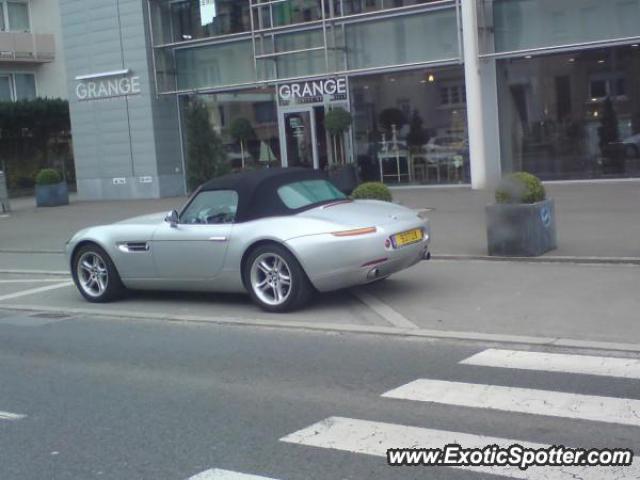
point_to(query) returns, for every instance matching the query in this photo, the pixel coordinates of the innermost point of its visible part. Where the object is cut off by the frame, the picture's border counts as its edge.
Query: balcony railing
(27, 47)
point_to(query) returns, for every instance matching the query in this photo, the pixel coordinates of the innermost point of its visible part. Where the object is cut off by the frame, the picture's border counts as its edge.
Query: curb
(338, 328)
(559, 259)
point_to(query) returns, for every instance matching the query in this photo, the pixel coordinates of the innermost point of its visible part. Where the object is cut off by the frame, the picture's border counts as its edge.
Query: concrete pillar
(482, 105)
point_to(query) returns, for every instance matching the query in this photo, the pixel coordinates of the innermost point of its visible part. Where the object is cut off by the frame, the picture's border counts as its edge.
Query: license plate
(407, 238)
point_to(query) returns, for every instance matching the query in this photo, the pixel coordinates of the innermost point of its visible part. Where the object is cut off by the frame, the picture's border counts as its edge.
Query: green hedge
(48, 176)
(520, 187)
(372, 191)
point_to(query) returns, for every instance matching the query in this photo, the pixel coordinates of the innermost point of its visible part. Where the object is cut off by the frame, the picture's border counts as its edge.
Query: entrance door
(304, 141)
(298, 138)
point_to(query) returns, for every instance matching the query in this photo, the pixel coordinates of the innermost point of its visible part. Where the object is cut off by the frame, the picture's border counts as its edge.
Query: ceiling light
(431, 78)
(635, 45)
(602, 60)
(571, 60)
(528, 57)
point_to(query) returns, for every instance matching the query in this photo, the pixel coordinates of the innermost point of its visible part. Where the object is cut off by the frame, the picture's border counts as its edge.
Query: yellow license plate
(407, 238)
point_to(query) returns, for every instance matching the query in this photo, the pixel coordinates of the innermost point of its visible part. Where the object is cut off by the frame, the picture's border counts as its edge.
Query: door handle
(218, 239)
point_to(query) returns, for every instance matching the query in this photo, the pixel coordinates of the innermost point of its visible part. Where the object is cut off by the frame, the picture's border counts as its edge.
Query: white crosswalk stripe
(217, 474)
(557, 362)
(522, 400)
(374, 438)
(11, 416)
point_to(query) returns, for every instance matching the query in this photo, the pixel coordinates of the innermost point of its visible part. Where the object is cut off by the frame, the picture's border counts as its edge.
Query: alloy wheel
(93, 275)
(271, 279)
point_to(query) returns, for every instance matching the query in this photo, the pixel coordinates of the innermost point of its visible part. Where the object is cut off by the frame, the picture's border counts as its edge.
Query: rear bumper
(334, 264)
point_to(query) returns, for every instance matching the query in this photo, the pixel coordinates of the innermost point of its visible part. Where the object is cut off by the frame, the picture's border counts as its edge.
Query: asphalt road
(133, 399)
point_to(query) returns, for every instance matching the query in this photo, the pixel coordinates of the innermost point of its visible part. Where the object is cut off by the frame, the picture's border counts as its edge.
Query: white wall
(50, 77)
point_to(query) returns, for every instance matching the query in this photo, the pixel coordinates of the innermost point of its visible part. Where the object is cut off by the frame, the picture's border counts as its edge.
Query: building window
(453, 95)
(14, 16)
(571, 115)
(17, 86)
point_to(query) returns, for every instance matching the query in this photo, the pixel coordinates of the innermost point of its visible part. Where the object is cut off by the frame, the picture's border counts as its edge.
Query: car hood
(150, 219)
(360, 213)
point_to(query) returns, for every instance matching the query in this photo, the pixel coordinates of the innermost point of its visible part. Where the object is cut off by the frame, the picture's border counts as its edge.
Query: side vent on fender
(133, 247)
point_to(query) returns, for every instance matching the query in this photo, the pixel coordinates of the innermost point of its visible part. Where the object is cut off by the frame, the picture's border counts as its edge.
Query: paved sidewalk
(594, 219)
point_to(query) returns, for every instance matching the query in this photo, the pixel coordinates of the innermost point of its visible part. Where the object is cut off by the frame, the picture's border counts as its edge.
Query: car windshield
(310, 192)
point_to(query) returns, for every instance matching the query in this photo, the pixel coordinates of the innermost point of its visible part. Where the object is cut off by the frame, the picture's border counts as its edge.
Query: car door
(194, 248)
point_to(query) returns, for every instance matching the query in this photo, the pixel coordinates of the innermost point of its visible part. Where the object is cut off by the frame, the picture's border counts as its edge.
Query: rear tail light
(355, 232)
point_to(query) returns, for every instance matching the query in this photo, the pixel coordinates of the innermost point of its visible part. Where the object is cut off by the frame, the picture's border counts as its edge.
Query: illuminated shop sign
(313, 91)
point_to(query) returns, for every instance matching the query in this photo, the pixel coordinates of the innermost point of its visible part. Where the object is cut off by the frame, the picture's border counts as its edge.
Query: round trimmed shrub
(48, 176)
(372, 191)
(520, 187)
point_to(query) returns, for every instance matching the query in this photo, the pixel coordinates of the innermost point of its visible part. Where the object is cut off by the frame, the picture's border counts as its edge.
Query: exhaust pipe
(373, 274)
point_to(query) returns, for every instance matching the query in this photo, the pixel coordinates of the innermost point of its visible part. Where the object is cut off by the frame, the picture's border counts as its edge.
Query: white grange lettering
(119, 87)
(312, 89)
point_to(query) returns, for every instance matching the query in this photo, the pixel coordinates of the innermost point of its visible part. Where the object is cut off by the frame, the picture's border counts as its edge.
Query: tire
(275, 279)
(95, 275)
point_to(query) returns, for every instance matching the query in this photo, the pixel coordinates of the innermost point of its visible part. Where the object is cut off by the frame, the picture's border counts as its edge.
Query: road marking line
(33, 291)
(374, 438)
(385, 311)
(217, 474)
(557, 362)
(522, 400)
(11, 416)
(35, 272)
(31, 280)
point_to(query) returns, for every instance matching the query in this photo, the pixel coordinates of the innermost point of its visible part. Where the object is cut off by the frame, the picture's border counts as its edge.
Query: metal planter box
(52, 195)
(521, 230)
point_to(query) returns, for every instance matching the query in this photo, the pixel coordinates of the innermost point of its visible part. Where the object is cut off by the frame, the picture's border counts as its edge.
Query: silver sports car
(279, 234)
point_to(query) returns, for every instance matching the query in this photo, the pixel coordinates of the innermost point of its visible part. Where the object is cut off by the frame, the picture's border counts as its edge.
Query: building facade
(439, 92)
(31, 54)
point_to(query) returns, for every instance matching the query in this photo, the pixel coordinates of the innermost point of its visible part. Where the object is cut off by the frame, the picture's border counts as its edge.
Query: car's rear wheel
(275, 279)
(95, 275)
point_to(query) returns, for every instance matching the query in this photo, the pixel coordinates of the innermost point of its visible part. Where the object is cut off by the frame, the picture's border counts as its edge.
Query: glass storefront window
(402, 40)
(573, 115)
(527, 24)
(212, 120)
(408, 129)
(183, 20)
(215, 65)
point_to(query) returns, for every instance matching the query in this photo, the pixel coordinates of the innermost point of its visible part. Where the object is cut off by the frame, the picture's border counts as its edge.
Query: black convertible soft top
(258, 190)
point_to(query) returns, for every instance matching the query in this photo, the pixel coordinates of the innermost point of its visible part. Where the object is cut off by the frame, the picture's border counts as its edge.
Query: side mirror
(172, 218)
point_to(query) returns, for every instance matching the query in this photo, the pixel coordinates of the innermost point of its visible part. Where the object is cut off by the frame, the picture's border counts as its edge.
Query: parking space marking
(217, 474)
(31, 280)
(11, 416)
(557, 363)
(385, 311)
(34, 272)
(33, 291)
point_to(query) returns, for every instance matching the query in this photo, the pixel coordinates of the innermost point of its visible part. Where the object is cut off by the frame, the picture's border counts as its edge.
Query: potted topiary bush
(372, 191)
(337, 122)
(522, 222)
(51, 189)
(242, 131)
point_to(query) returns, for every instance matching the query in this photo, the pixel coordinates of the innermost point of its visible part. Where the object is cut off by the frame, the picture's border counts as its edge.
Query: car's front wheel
(95, 275)
(275, 279)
